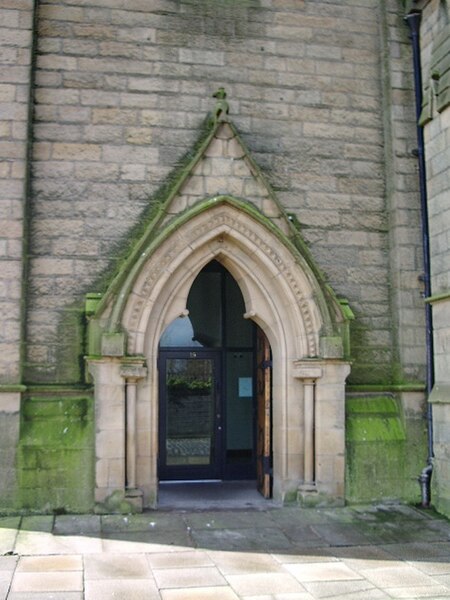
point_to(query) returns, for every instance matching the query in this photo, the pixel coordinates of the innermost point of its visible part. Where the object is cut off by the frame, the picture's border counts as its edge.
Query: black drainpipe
(413, 19)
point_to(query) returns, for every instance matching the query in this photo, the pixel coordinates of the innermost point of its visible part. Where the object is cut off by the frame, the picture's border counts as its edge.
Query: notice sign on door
(245, 387)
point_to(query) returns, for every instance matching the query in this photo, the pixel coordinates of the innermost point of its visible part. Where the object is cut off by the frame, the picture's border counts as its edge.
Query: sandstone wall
(121, 94)
(435, 38)
(16, 21)
(321, 92)
(16, 41)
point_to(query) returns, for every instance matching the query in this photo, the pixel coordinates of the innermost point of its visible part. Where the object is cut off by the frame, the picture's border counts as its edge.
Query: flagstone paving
(372, 553)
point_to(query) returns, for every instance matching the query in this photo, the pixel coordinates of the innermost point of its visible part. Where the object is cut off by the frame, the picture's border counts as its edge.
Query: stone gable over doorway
(220, 207)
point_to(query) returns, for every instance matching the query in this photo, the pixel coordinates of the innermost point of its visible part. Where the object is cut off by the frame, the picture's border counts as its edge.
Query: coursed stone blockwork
(320, 91)
(120, 97)
(402, 197)
(435, 24)
(16, 40)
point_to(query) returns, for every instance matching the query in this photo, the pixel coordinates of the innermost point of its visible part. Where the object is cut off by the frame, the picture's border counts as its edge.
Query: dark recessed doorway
(214, 382)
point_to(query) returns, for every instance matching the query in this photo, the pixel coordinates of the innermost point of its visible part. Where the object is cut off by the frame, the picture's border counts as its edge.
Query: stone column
(308, 374)
(132, 373)
(131, 433)
(309, 420)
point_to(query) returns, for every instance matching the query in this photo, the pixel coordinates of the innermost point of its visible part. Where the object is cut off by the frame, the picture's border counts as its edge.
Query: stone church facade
(271, 144)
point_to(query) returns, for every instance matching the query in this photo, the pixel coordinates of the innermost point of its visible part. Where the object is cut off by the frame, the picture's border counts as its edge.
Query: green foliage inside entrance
(56, 454)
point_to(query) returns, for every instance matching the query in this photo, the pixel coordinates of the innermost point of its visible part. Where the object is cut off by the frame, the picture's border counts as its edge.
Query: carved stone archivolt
(235, 230)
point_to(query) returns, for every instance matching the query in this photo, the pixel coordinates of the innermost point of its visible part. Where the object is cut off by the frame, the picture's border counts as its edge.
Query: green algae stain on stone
(374, 420)
(384, 451)
(56, 454)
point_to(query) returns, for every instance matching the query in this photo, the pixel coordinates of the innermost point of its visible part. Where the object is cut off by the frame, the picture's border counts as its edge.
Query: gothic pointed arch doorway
(215, 388)
(281, 294)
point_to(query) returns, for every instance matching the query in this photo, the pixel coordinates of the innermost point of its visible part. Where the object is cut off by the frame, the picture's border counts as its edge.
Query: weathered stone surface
(321, 99)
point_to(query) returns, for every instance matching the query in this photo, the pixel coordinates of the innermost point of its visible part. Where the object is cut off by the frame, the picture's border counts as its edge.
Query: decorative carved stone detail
(223, 222)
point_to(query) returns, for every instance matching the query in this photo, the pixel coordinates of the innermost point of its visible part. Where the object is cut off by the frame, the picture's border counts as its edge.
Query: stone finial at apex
(222, 108)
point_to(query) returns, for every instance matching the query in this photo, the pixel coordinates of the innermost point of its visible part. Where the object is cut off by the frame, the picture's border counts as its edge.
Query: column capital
(133, 368)
(306, 370)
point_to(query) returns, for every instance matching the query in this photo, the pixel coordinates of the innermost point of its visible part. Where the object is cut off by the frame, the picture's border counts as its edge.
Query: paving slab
(46, 596)
(202, 593)
(37, 564)
(264, 583)
(288, 596)
(130, 589)
(167, 560)
(245, 563)
(4, 589)
(436, 567)
(231, 519)
(263, 539)
(372, 594)
(418, 550)
(188, 577)
(351, 553)
(37, 542)
(48, 581)
(152, 521)
(7, 566)
(77, 525)
(396, 576)
(8, 534)
(143, 542)
(418, 591)
(340, 534)
(324, 571)
(306, 555)
(117, 566)
(303, 536)
(331, 589)
(37, 523)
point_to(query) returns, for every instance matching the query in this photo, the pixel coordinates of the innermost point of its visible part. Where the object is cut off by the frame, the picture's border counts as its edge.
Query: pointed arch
(250, 246)
(276, 291)
(282, 295)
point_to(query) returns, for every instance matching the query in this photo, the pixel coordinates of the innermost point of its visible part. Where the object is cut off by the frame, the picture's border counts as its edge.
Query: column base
(307, 495)
(135, 497)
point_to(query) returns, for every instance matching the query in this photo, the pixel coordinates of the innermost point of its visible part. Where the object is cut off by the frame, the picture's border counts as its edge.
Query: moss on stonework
(65, 363)
(384, 451)
(366, 373)
(116, 503)
(154, 213)
(72, 334)
(154, 228)
(56, 454)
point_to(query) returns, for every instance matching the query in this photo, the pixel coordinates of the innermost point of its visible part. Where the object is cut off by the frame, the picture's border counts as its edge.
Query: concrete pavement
(368, 553)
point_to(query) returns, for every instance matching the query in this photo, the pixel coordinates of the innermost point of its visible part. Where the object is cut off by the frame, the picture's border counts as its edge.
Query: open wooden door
(264, 414)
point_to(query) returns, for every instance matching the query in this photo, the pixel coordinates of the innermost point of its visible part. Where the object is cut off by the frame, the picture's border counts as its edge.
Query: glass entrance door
(208, 386)
(190, 415)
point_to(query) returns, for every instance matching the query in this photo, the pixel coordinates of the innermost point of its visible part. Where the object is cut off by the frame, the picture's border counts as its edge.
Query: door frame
(264, 469)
